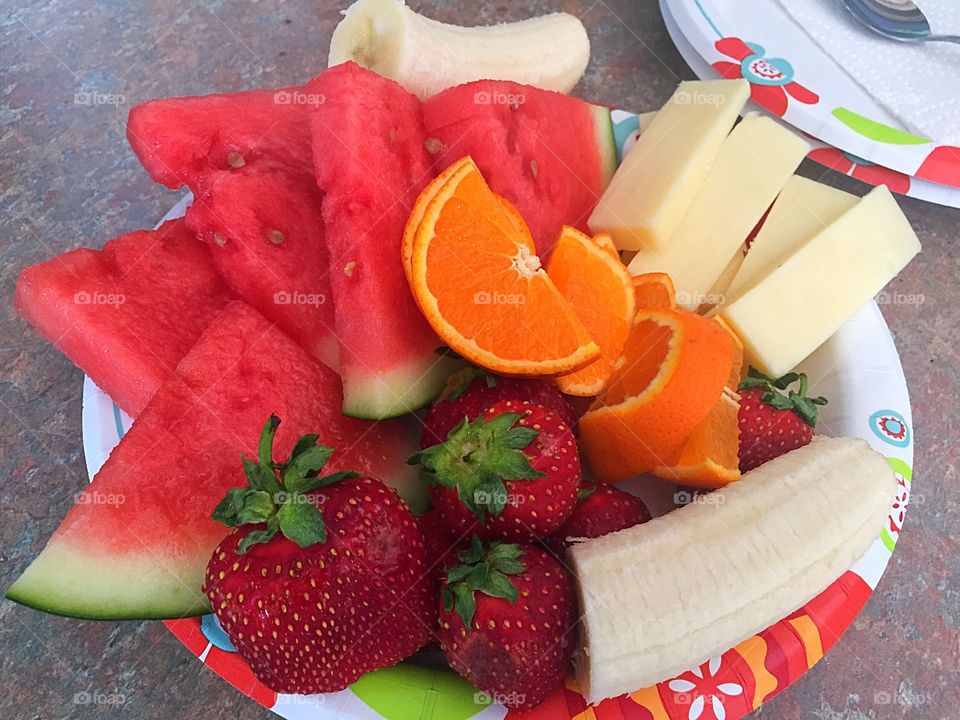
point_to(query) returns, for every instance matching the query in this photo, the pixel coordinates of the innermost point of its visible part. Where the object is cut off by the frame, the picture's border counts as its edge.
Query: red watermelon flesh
(265, 232)
(551, 155)
(128, 313)
(371, 163)
(179, 140)
(248, 160)
(137, 542)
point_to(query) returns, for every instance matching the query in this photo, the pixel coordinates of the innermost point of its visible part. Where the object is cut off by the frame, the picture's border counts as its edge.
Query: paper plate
(794, 79)
(822, 153)
(858, 369)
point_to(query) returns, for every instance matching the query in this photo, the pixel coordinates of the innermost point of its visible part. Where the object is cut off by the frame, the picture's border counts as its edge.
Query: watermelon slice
(137, 542)
(247, 158)
(551, 155)
(179, 140)
(128, 313)
(265, 232)
(371, 163)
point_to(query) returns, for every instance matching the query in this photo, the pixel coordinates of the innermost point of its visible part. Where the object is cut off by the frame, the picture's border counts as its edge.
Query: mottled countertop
(67, 178)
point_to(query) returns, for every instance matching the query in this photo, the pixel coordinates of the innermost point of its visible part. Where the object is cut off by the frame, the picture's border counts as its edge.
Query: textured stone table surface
(67, 178)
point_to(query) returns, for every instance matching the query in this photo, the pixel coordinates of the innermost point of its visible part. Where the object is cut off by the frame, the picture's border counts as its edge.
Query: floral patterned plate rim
(822, 153)
(858, 368)
(792, 78)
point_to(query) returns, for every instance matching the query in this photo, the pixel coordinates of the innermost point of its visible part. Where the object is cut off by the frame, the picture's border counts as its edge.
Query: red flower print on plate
(942, 166)
(899, 509)
(861, 169)
(771, 79)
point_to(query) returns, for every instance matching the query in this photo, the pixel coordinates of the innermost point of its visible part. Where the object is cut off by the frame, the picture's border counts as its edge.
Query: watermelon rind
(606, 141)
(67, 581)
(399, 391)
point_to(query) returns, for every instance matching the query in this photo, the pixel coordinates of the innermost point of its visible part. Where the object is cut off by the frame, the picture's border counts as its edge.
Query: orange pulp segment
(479, 283)
(710, 458)
(419, 207)
(600, 289)
(654, 291)
(673, 369)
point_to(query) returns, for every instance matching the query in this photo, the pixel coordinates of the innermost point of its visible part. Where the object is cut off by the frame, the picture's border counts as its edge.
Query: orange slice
(654, 291)
(736, 372)
(710, 458)
(673, 369)
(479, 283)
(606, 242)
(516, 220)
(600, 289)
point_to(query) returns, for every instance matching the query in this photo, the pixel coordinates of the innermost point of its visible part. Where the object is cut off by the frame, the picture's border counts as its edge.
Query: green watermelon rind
(396, 392)
(606, 141)
(57, 564)
(174, 612)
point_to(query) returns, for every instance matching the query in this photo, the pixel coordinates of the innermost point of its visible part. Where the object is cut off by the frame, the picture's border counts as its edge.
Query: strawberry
(773, 419)
(600, 509)
(506, 621)
(323, 578)
(471, 390)
(510, 474)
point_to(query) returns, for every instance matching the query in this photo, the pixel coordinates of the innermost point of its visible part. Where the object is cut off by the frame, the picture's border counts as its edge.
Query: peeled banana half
(426, 56)
(663, 597)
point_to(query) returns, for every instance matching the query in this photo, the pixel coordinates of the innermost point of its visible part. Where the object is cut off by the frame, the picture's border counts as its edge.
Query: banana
(427, 56)
(663, 597)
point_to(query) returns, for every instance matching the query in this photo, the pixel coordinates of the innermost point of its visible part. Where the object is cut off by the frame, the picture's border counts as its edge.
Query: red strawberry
(601, 509)
(507, 622)
(774, 420)
(469, 391)
(324, 578)
(510, 474)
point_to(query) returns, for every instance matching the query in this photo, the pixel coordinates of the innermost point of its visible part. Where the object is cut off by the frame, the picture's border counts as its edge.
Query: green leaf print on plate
(412, 692)
(878, 132)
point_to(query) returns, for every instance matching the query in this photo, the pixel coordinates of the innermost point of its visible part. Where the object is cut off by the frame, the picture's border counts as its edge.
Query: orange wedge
(710, 458)
(736, 372)
(516, 220)
(673, 369)
(654, 291)
(600, 290)
(479, 283)
(606, 242)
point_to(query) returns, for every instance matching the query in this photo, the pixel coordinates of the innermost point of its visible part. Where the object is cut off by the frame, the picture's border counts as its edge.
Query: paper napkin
(917, 83)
